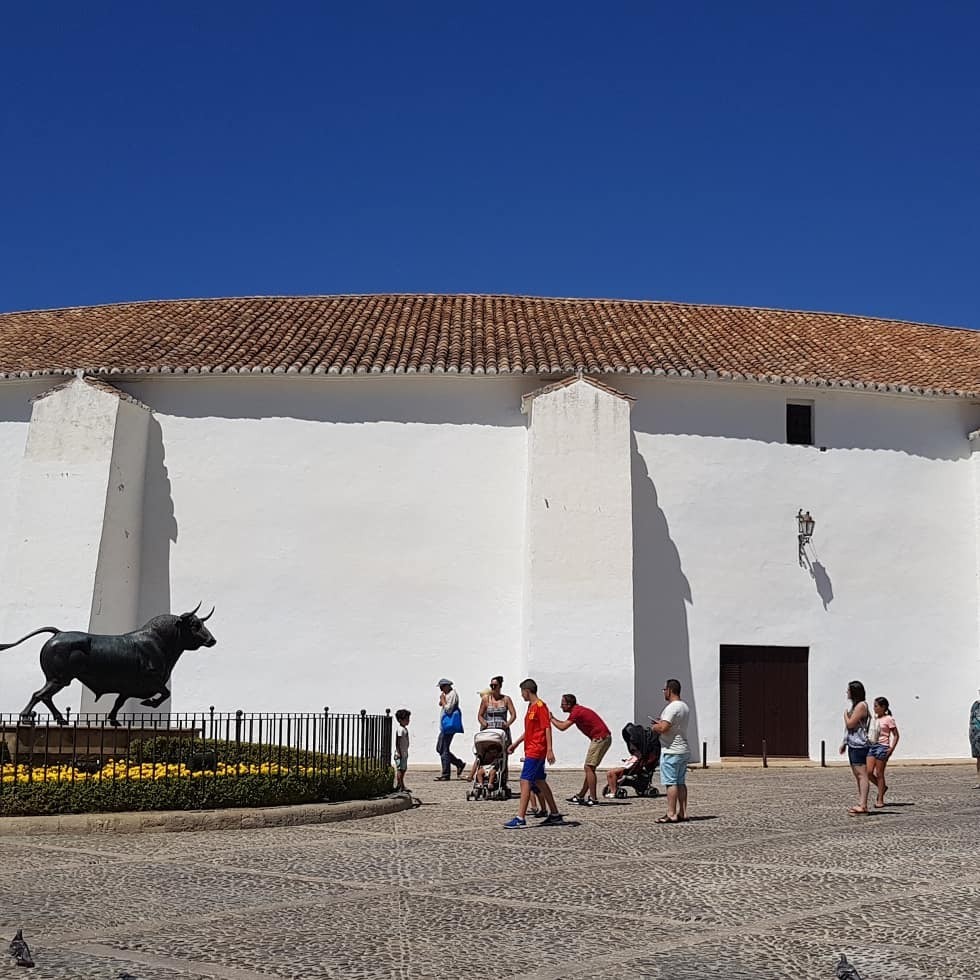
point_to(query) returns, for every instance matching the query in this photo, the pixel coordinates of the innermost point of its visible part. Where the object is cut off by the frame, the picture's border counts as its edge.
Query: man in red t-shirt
(537, 748)
(597, 732)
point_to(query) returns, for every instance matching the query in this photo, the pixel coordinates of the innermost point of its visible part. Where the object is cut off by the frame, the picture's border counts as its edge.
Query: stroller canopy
(641, 741)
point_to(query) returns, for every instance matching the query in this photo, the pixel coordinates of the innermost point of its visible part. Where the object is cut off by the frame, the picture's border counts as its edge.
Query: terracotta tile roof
(407, 334)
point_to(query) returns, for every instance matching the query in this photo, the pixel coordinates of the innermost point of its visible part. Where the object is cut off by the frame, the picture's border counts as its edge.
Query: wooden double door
(764, 698)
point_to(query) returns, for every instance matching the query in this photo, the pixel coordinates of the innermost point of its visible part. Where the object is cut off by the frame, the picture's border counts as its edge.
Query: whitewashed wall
(975, 459)
(362, 537)
(891, 600)
(578, 573)
(19, 675)
(53, 519)
(15, 417)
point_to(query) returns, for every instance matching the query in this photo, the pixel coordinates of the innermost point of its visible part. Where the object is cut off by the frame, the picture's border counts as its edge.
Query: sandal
(858, 812)
(666, 819)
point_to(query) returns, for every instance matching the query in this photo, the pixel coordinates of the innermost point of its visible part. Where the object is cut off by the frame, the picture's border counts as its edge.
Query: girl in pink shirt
(881, 750)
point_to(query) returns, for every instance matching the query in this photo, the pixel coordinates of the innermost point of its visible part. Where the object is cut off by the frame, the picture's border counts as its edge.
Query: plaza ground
(771, 879)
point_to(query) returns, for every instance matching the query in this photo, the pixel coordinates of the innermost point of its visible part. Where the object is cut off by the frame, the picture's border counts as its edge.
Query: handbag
(452, 724)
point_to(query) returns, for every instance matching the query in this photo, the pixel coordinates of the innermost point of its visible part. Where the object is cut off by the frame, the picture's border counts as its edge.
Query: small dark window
(799, 425)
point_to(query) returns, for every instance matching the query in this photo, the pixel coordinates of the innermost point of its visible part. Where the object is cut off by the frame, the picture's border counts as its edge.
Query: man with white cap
(450, 724)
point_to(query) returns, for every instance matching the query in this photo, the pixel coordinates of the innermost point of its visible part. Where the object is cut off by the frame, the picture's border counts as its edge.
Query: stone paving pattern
(771, 879)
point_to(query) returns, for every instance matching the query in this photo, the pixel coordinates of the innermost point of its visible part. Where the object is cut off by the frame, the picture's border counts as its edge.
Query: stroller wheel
(621, 794)
(653, 791)
(469, 796)
(605, 791)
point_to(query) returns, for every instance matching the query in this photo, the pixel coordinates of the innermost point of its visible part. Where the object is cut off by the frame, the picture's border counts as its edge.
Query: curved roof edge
(490, 335)
(843, 384)
(598, 300)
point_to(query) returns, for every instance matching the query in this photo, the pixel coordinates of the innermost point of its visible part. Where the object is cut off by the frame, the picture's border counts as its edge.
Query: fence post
(823, 754)
(765, 758)
(704, 755)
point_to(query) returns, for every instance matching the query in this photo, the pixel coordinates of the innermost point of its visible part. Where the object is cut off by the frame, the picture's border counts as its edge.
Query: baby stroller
(490, 779)
(643, 746)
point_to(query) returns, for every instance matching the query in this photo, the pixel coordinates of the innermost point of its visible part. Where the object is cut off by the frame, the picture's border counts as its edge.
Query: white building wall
(975, 460)
(15, 417)
(19, 672)
(360, 538)
(891, 598)
(55, 526)
(578, 586)
(116, 590)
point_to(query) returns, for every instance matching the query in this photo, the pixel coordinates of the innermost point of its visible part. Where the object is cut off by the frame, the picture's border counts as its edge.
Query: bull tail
(43, 629)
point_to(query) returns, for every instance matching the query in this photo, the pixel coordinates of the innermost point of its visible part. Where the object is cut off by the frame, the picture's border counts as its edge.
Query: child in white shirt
(402, 716)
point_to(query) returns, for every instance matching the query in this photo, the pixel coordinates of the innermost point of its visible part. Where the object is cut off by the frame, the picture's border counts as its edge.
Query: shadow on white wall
(661, 593)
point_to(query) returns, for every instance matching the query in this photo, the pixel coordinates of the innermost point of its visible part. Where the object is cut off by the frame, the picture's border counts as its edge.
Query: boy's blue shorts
(533, 770)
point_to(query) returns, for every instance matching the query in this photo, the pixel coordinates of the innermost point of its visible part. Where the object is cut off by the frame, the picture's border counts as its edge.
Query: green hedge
(357, 779)
(200, 793)
(196, 751)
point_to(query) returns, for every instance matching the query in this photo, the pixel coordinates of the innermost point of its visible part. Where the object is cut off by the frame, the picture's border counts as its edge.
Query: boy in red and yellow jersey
(537, 748)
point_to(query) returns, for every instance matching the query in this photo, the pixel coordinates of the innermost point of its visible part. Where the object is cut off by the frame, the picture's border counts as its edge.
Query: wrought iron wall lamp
(804, 532)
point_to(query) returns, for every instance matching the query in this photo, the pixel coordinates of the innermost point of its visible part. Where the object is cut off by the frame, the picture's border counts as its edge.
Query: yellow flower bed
(151, 770)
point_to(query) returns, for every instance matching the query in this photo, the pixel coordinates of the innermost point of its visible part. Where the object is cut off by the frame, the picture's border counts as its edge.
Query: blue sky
(809, 156)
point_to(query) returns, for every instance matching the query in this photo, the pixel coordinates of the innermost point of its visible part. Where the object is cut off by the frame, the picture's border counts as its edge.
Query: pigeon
(19, 951)
(845, 971)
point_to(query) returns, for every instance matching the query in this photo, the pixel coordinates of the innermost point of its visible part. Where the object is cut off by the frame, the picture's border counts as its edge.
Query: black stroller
(643, 746)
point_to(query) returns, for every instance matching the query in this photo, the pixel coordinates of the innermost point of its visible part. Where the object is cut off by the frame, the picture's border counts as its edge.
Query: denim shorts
(857, 757)
(878, 751)
(673, 769)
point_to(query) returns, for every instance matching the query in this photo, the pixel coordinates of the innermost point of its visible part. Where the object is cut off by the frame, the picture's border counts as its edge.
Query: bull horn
(209, 615)
(195, 609)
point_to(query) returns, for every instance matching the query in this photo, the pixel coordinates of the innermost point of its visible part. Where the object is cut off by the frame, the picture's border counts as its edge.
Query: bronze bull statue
(132, 665)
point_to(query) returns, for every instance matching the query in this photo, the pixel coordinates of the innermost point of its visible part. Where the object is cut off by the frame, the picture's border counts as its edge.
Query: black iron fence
(192, 746)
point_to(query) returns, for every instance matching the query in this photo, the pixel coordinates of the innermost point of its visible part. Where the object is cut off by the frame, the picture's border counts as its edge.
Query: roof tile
(476, 334)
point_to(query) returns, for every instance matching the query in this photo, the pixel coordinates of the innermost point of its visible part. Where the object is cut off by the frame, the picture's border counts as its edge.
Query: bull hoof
(114, 723)
(149, 703)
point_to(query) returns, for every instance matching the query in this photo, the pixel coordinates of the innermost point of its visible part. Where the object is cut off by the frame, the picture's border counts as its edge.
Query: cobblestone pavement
(770, 879)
